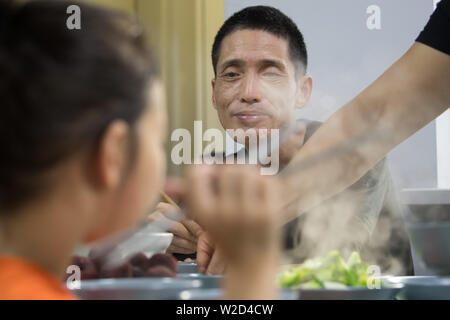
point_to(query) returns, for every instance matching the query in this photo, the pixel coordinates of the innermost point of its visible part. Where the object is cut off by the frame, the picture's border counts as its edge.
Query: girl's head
(80, 110)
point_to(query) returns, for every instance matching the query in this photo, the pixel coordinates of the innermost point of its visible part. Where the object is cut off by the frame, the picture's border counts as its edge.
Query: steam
(345, 223)
(367, 217)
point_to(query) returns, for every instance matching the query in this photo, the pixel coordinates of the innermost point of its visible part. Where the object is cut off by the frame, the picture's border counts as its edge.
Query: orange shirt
(24, 280)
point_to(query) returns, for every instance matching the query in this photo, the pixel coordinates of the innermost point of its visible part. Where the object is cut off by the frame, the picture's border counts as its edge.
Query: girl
(81, 132)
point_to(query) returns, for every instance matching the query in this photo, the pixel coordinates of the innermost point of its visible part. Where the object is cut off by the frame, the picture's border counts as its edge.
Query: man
(260, 60)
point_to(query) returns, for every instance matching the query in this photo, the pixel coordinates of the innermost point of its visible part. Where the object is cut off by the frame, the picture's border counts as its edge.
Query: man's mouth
(250, 117)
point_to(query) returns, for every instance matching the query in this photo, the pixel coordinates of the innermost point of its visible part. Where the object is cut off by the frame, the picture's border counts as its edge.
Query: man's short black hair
(267, 19)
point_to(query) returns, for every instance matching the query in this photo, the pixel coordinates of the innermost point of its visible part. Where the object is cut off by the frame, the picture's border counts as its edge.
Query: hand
(209, 260)
(239, 213)
(238, 207)
(185, 232)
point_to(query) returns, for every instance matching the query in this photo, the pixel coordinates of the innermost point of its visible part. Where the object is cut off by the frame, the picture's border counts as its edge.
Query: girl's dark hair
(61, 88)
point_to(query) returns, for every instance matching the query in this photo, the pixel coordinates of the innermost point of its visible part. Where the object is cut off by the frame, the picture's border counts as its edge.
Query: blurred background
(345, 56)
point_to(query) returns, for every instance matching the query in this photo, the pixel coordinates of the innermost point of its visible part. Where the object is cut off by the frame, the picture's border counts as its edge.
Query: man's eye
(231, 75)
(271, 74)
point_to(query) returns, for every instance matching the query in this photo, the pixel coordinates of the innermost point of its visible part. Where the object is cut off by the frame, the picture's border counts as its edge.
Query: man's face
(256, 84)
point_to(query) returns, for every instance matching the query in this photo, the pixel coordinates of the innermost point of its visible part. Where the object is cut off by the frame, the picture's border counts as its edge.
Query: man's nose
(250, 90)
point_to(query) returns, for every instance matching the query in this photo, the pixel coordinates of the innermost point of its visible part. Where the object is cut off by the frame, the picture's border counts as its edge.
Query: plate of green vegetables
(334, 278)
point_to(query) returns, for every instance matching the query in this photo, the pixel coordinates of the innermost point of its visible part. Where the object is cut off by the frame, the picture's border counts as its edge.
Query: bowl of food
(134, 288)
(385, 292)
(333, 278)
(137, 277)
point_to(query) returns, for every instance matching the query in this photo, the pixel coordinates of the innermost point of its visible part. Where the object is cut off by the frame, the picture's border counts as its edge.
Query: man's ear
(304, 91)
(112, 154)
(213, 84)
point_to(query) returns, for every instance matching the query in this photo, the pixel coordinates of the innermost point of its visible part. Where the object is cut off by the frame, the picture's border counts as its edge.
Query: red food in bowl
(139, 260)
(123, 271)
(87, 267)
(163, 259)
(137, 266)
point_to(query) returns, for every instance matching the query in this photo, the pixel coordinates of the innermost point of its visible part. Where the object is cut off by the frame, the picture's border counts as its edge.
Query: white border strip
(443, 150)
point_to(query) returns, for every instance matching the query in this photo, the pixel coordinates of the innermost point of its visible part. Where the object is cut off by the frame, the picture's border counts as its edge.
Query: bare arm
(409, 95)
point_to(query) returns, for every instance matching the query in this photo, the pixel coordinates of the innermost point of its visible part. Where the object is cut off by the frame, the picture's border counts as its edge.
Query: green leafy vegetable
(330, 272)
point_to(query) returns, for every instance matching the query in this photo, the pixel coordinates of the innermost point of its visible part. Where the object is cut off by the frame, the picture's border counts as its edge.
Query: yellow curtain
(129, 6)
(182, 33)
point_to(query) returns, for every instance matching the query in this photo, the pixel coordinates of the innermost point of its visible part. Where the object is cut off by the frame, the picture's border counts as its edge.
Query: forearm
(410, 94)
(254, 279)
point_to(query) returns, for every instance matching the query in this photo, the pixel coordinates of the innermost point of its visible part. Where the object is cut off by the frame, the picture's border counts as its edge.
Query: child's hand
(238, 207)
